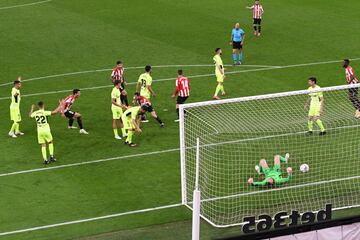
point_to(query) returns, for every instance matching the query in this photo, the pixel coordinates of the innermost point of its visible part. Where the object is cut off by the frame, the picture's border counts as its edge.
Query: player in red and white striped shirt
(118, 74)
(258, 11)
(146, 104)
(352, 92)
(182, 90)
(66, 111)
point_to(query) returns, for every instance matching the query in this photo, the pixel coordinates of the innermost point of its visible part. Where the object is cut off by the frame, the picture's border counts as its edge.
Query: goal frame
(182, 109)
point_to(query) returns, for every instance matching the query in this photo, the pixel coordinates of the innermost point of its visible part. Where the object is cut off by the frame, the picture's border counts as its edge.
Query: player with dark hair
(144, 87)
(352, 92)
(258, 11)
(43, 129)
(131, 119)
(182, 90)
(316, 103)
(118, 74)
(66, 111)
(15, 115)
(146, 104)
(273, 176)
(219, 72)
(117, 109)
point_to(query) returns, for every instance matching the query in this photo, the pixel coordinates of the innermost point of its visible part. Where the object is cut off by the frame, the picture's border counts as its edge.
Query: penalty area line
(25, 5)
(90, 219)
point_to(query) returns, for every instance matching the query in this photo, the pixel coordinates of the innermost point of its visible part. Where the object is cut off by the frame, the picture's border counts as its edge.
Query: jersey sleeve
(262, 183)
(47, 113)
(149, 81)
(33, 115)
(113, 95)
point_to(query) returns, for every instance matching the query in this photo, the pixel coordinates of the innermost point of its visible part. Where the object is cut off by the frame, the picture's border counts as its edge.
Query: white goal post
(234, 134)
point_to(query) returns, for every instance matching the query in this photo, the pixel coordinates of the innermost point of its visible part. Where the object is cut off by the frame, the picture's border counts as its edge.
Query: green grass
(65, 36)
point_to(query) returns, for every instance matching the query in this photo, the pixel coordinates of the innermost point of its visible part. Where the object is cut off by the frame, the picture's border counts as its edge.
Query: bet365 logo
(265, 222)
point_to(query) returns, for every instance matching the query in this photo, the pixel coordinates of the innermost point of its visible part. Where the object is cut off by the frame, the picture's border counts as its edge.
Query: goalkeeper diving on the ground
(273, 176)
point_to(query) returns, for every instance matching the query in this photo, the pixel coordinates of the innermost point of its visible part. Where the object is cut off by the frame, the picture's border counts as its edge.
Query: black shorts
(181, 100)
(69, 114)
(237, 45)
(257, 21)
(147, 107)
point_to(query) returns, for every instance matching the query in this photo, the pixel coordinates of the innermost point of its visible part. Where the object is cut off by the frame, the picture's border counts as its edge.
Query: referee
(237, 41)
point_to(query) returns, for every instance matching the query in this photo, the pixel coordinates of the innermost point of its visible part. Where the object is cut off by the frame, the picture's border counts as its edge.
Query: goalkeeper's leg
(261, 167)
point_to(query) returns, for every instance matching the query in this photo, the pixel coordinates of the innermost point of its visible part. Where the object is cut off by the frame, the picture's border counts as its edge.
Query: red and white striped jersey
(257, 11)
(118, 74)
(69, 101)
(143, 100)
(350, 76)
(183, 86)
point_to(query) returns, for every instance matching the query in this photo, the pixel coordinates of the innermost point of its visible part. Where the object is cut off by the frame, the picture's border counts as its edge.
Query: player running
(43, 129)
(146, 104)
(118, 74)
(316, 102)
(182, 90)
(117, 109)
(273, 176)
(66, 111)
(352, 92)
(220, 73)
(237, 42)
(15, 115)
(258, 11)
(131, 120)
(144, 87)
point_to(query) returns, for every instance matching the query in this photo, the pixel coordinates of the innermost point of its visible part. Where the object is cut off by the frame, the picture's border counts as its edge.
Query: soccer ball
(304, 168)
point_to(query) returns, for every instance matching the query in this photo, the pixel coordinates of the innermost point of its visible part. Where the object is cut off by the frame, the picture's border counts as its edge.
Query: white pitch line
(25, 5)
(130, 83)
(127, 68)
(91, 219)
(88, 162)
(195, 76)
(161, 152)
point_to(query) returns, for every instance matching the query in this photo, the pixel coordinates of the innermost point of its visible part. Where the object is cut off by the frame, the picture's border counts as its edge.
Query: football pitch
(100, 188)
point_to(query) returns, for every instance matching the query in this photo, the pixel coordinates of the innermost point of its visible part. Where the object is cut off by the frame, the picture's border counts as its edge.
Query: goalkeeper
(272, 175)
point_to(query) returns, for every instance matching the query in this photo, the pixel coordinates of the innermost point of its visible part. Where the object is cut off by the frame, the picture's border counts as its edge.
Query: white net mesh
(235, 134)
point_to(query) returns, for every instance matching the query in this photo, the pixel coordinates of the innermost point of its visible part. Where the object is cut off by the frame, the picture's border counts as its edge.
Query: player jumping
(258, 11)
(66, 111)
(220, 73)
(43, 129)
(273, 176)
(15, 115)
(352, 92)
(146, 104)
(118, 74)
(316, 102)
(182, 90)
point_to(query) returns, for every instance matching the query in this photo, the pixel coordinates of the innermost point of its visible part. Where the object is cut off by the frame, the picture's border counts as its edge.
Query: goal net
(236, 133)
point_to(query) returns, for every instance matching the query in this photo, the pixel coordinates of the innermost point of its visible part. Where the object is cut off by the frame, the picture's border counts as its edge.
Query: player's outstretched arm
(31, 110)
(262, 183)
(58, 109)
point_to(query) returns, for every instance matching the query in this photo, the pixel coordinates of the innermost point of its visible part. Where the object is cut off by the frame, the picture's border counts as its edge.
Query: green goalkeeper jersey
(275, 174)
